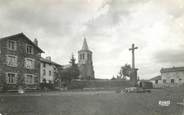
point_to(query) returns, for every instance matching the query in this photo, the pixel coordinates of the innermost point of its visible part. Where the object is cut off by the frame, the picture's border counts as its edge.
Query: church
(85, 62)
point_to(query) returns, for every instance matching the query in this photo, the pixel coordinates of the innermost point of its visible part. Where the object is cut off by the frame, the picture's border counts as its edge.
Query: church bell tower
(85, 62)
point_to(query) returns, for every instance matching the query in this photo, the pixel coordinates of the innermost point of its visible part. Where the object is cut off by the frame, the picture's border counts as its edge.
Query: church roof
(85, 45)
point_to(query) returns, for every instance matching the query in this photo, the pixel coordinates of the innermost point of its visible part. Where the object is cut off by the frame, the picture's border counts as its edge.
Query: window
(11, 60)
(44, 72)
(50, 73)
(12, 45)
(36, 80)
(88, 56)
(172, 80)
(82, 56)
(44, 65)
(29, 49)
(164, 80)
(29, 63)
(29, 79)
(11, 78)
(156, 81)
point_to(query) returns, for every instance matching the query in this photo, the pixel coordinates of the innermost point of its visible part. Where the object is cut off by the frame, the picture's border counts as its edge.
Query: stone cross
(133, 56)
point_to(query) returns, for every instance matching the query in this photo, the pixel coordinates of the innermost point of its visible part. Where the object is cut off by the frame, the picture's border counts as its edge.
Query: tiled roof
(66, 66)
(173, 69)
(24, 36)
(48, 61)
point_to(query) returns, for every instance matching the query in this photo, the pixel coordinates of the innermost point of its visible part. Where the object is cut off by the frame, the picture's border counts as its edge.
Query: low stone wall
(99, 84)
(167, 85)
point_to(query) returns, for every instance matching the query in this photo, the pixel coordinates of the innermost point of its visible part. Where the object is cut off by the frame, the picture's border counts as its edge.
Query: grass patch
(95, 103)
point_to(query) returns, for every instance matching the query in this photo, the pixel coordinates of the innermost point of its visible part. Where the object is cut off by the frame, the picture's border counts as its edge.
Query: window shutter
(16, 61)
(7, 80)
(7, 44)
(25, 78)
(26, 48)
(7, 59)
(25, 63)
(36, 79)
(32, 50)
(33, 66)
(15, 45)
(33, 79)
(15, 78)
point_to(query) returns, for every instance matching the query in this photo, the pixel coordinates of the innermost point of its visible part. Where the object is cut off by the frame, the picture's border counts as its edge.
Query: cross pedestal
(133, 76)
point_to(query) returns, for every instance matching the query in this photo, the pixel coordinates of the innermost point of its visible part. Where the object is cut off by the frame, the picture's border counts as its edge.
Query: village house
(19, 62)
(49, 70)
(156, 81)
(174, 75)
(170, 77)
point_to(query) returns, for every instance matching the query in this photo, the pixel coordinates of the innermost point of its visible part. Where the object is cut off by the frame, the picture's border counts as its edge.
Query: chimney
(36, 42)
(48, 58)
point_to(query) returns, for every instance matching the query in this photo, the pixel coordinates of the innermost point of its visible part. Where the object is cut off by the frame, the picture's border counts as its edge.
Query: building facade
(170, 77)
(19, 60)
(48, 70)
(85, 62)
(174, 75)
(156, 81)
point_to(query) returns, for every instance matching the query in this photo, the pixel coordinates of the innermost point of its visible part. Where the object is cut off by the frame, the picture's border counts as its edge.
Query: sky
(110, 27)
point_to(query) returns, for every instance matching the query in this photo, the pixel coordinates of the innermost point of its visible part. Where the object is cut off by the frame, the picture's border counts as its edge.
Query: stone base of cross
(133, 76)
(181, 103)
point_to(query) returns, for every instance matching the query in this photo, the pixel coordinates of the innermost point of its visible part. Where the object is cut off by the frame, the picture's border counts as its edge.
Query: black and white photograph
(91, 57)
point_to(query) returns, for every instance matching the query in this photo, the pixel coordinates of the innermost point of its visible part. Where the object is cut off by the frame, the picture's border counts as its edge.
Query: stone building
(174, 75)
(156, 81)
(170, 77)
(19, 62)
(85, 62)
(48, 70)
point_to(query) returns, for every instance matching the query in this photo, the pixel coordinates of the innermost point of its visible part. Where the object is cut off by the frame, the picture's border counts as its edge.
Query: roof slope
(85, 45)
(48, 61)
(156, 78)
(24, 36)
(173, 69)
